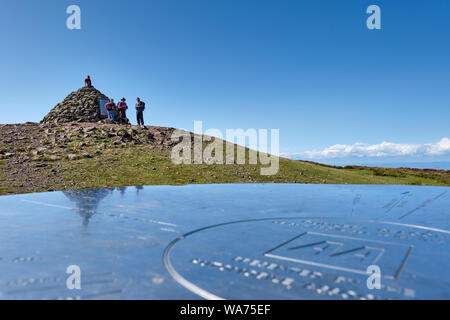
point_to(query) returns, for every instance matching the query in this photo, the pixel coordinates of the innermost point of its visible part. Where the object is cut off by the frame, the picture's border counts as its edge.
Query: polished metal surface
(227, 242)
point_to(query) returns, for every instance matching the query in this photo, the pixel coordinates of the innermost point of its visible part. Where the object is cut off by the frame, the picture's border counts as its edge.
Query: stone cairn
(82, 105)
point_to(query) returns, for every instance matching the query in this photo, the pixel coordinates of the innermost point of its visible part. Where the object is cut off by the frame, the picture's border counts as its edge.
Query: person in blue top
(140, 107)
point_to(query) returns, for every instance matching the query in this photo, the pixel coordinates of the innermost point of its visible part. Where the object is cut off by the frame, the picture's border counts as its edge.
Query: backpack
(142, 105)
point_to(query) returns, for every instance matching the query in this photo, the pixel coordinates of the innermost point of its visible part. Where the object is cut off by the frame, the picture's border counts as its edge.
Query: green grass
(138, 166)
(3, 188)
(2, 179)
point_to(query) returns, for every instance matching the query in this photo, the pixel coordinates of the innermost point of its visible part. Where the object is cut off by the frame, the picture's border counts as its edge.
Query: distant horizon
(435, 165)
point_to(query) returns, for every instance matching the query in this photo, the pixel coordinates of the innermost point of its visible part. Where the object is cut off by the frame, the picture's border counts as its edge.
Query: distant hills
(386, 163)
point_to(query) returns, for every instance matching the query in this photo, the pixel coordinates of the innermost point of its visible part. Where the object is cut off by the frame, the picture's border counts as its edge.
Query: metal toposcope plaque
(227, 242)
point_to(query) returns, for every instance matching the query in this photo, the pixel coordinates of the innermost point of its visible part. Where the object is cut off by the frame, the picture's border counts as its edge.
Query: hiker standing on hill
(140, 107)
(111, 108)
(88, 82)
(122, 108)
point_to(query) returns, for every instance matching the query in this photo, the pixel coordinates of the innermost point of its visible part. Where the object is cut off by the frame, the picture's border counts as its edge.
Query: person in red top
(88, 82)
(111, 108)
(122, 108)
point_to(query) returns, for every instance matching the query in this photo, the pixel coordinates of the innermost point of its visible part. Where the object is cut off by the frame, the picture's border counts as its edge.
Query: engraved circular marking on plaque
(310, 258)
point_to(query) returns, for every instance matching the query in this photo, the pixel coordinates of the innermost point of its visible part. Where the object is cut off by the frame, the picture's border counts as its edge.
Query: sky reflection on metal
(227, 241)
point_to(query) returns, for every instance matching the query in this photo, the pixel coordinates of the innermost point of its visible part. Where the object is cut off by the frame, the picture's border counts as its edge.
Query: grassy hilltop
(46, 157)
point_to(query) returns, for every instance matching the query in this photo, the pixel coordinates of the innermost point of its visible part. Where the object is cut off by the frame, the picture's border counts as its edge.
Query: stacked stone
(79, 106)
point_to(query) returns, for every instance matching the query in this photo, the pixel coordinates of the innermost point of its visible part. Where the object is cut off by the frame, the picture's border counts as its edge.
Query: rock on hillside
(34, 157)
(79, 106)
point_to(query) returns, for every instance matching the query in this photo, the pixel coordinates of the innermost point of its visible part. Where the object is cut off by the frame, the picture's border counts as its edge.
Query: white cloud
(384, 149)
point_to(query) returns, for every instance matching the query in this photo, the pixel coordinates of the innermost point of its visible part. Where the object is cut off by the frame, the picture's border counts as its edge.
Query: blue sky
(310, 68)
